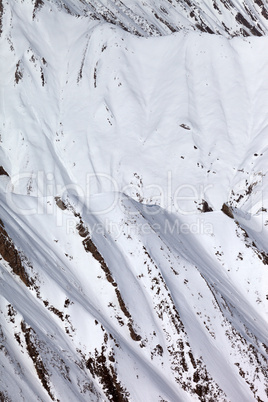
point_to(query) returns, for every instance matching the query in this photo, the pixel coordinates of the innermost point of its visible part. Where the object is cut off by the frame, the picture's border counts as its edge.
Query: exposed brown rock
(18, 72)
(35, 356)
(1, 30)
(12, 256)
(3, 172)
(227, 211)
(38, 4)
(60, 203)
(98, 367)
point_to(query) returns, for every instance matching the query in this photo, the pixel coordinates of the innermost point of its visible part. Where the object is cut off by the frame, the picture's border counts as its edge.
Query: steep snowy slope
(161, 17)
(133, 203)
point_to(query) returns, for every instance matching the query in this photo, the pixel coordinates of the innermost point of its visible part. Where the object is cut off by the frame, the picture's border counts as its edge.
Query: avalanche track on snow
(133, 203)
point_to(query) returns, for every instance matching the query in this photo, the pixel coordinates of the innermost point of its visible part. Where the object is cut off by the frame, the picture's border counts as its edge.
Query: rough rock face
(162, 17)
(11, 256)
(133, 200)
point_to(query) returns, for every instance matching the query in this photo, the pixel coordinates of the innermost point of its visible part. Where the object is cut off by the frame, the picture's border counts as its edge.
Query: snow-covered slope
(161, 17)
(133, 202)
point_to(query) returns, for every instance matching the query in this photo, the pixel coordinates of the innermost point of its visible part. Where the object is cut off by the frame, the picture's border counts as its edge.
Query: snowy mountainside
(161, 17)
(133, 213)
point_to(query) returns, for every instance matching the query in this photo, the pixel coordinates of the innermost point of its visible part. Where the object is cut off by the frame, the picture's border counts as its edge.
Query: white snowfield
(133, 202)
